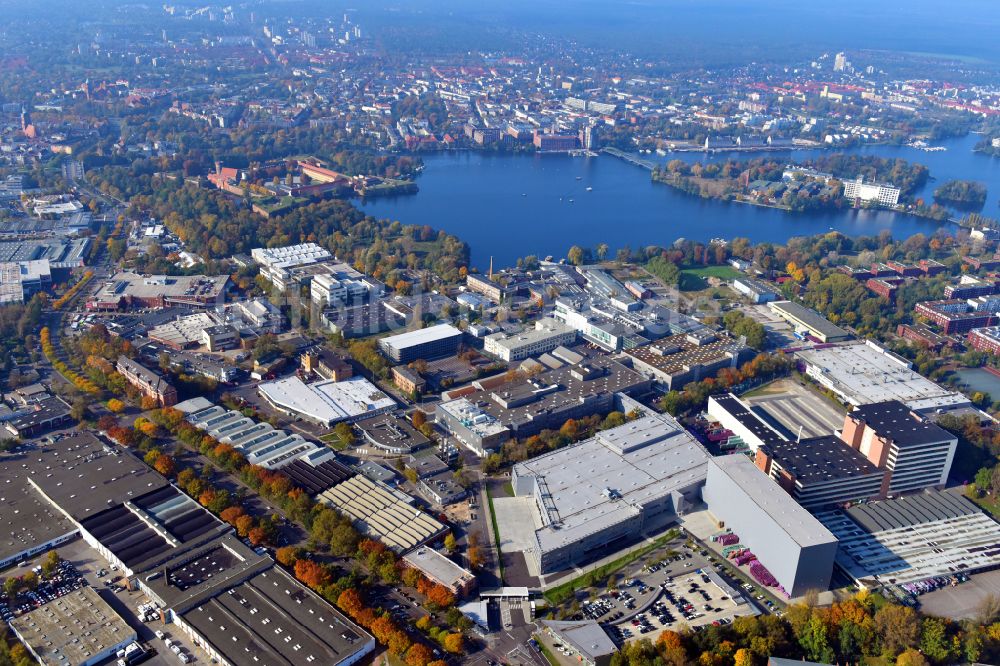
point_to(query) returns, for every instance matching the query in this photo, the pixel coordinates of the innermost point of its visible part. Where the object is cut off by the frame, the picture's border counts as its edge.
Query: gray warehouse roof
(422, 336)
(601, 481)
(798, 523)
(911, 510)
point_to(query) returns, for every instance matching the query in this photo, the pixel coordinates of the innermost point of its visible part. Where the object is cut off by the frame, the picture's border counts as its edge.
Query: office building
(913, 538)
(426, 343)
(276, 262)
(788, 542)
(486, 286)
(808, 322)
(327, 364)
(490, 411)
(917, 453)
(547, 334)
(816, 471)
(593, 497)
(151, 384)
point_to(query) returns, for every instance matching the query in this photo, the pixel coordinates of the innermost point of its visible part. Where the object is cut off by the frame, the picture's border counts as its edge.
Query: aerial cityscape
(432, 333)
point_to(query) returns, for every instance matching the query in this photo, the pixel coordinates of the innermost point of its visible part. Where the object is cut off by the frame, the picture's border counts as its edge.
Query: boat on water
(590, 189)
(579, 177)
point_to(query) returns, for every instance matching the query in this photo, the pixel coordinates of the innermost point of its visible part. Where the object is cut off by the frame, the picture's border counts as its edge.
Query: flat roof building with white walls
(864, 373)
(625, 481)
(882, 193)
(426, 343)
(786, 539)
(277, 262)
(547, 334)
(327, 402)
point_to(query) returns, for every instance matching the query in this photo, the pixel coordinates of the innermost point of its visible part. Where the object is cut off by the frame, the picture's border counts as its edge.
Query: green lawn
(988, 503)
(693, 278)
(496, 531)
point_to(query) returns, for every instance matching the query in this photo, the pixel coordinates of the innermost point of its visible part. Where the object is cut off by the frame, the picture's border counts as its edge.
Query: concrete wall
(797, 569)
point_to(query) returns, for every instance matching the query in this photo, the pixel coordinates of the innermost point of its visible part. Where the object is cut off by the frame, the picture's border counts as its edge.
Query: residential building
(954, 316)
(408, 381)
(985, 339)
(151, 384)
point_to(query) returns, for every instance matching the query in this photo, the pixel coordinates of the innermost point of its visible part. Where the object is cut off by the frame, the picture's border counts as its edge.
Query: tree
(165, 465)
(899, 627)
(51, 563)
(743, 657)
(911, 657)
(602, 251)
(418, 418)
(815, 642)
(345, 433)
(288, 555)
(79, 409)
(243, 525)
(984, 479)
(314, 575)
(450, 543)
(453, 643)
(934, 640)
(575, 255)
(116, 406)
(419, 655)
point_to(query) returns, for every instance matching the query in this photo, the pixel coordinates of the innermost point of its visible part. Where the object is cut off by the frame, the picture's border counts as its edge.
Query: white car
(159, 634)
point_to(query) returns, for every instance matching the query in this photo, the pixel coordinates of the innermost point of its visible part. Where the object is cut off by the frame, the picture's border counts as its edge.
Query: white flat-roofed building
(786, 539)
(327, 402)
(425, 343)
(476, 428)
(20, 280)
(441, 570)
(261, 443)
(882, 193)
(276, 263)
(547, 334)
(606, 490)
(77, 629)
(863, 373)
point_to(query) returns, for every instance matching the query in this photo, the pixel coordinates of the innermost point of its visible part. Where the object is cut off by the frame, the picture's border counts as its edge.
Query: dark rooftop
(314, 479)
(272, 619)
(894, 420)
(748, 418)
(821, 459)
(910, 511)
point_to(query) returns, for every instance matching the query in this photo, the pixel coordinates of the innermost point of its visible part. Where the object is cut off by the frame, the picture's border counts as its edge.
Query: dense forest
(962, 193)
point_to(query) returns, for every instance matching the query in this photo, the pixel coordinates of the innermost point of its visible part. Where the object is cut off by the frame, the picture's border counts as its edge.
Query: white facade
(882, 193)
(546, 336)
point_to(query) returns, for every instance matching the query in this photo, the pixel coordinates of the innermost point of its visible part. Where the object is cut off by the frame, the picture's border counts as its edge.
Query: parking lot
(85, 564)
(675, 586)
(796, 407)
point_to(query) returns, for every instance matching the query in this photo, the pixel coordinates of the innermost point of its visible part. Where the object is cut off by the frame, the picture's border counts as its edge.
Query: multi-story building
(555, 142)
(916, 453)
(678, 360)
(885, 287)
(488, 287)
(971, 287)
(546, 336)
(407, 380)
(151, 384)
(276, 263)
(426, 344)
(953, 315)
(883, 194)
(985, 339)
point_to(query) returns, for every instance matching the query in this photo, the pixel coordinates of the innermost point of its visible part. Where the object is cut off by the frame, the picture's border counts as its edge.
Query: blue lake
(509, 206)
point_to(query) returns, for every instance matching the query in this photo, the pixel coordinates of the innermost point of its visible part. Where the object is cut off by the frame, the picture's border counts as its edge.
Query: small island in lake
(966, 194)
